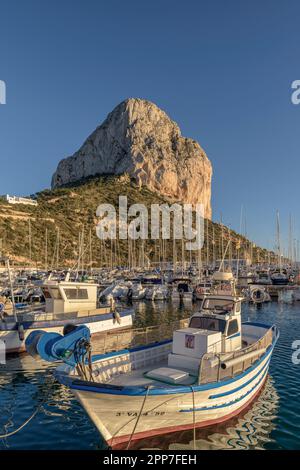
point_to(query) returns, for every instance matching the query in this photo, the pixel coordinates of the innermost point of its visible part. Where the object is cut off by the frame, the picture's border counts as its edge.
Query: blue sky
(221, 70)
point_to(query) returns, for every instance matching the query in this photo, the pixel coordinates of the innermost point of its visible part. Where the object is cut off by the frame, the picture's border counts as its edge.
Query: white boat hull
(115, 413)
(13, 344)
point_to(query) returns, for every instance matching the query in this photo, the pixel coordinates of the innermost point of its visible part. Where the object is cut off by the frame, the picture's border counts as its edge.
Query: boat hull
(98, 325)
(118, 442)
(115, 412)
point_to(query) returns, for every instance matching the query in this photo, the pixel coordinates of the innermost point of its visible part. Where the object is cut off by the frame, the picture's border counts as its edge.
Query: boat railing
(41, 315)
(134, 337)
(217, 366)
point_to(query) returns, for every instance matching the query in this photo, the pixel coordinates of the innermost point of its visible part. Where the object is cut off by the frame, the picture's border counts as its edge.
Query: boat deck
(138, 377)
(149, 365)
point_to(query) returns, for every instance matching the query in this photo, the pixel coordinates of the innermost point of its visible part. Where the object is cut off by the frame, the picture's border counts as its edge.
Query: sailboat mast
(29, 240)
(11, 290)
(278, 241)
(46, 249)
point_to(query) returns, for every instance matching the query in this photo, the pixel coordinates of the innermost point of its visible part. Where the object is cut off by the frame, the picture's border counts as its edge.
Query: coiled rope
(83, 358)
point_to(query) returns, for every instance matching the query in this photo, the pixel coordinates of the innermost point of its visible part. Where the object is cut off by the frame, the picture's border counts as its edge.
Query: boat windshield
(218, 305)
(208, 323)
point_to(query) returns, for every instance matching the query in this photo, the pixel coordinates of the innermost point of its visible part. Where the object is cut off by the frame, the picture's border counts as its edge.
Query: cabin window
(207, 323)
(233, 327)
(183, 287)
(76, 294)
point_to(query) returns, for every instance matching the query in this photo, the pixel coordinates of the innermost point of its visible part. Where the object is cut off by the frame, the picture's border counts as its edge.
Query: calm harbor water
(271, 422)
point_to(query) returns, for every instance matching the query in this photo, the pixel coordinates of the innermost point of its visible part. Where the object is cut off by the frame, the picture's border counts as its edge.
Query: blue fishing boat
(206, 374)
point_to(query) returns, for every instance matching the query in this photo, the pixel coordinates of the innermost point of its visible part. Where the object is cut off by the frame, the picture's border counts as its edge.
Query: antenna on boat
(222, 262)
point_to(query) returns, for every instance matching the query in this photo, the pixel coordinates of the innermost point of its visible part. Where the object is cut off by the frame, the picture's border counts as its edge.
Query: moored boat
(279, 279)
(257, 294)
(202, 289)
(67, 303)
(181, 289)
(206, 374)
(157, 292)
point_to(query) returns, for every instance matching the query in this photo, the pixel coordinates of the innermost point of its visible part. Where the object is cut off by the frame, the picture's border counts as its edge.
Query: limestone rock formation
(140, 139)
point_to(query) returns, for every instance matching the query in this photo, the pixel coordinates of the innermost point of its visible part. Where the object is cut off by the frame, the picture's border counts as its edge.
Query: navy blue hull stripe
(234, 390)
(232, 402)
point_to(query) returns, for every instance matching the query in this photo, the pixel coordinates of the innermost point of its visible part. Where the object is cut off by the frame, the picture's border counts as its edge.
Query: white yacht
(158, 292)
(181, 289)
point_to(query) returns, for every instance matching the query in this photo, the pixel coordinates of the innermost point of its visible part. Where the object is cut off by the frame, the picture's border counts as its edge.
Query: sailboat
(278, 278)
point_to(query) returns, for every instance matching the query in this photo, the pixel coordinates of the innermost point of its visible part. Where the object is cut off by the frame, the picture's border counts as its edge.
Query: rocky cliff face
(138, 138)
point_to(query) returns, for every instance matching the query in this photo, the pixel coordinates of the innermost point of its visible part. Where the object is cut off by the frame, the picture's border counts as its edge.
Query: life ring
(257, 295)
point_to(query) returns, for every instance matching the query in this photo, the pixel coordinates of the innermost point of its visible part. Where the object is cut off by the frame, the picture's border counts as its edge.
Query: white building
(21, 200)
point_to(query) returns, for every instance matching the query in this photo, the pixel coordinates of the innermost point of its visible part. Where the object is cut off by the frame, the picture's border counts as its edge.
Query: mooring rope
(83, 358)
(194, 419)
(138, 418)
(4, 436)
(27, 421)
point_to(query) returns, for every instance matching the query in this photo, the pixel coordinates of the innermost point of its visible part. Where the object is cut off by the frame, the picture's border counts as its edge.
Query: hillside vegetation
(62, 225)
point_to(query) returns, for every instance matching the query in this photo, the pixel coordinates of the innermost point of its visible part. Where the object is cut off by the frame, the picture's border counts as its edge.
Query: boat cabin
(181, 284)
(67, 296)
(221, 314)
(215, 329)
(223, 283)
(263, 277)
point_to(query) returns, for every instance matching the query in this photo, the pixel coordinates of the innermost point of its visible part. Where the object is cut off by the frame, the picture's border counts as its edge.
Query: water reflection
(60, 422)
(155, 313)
